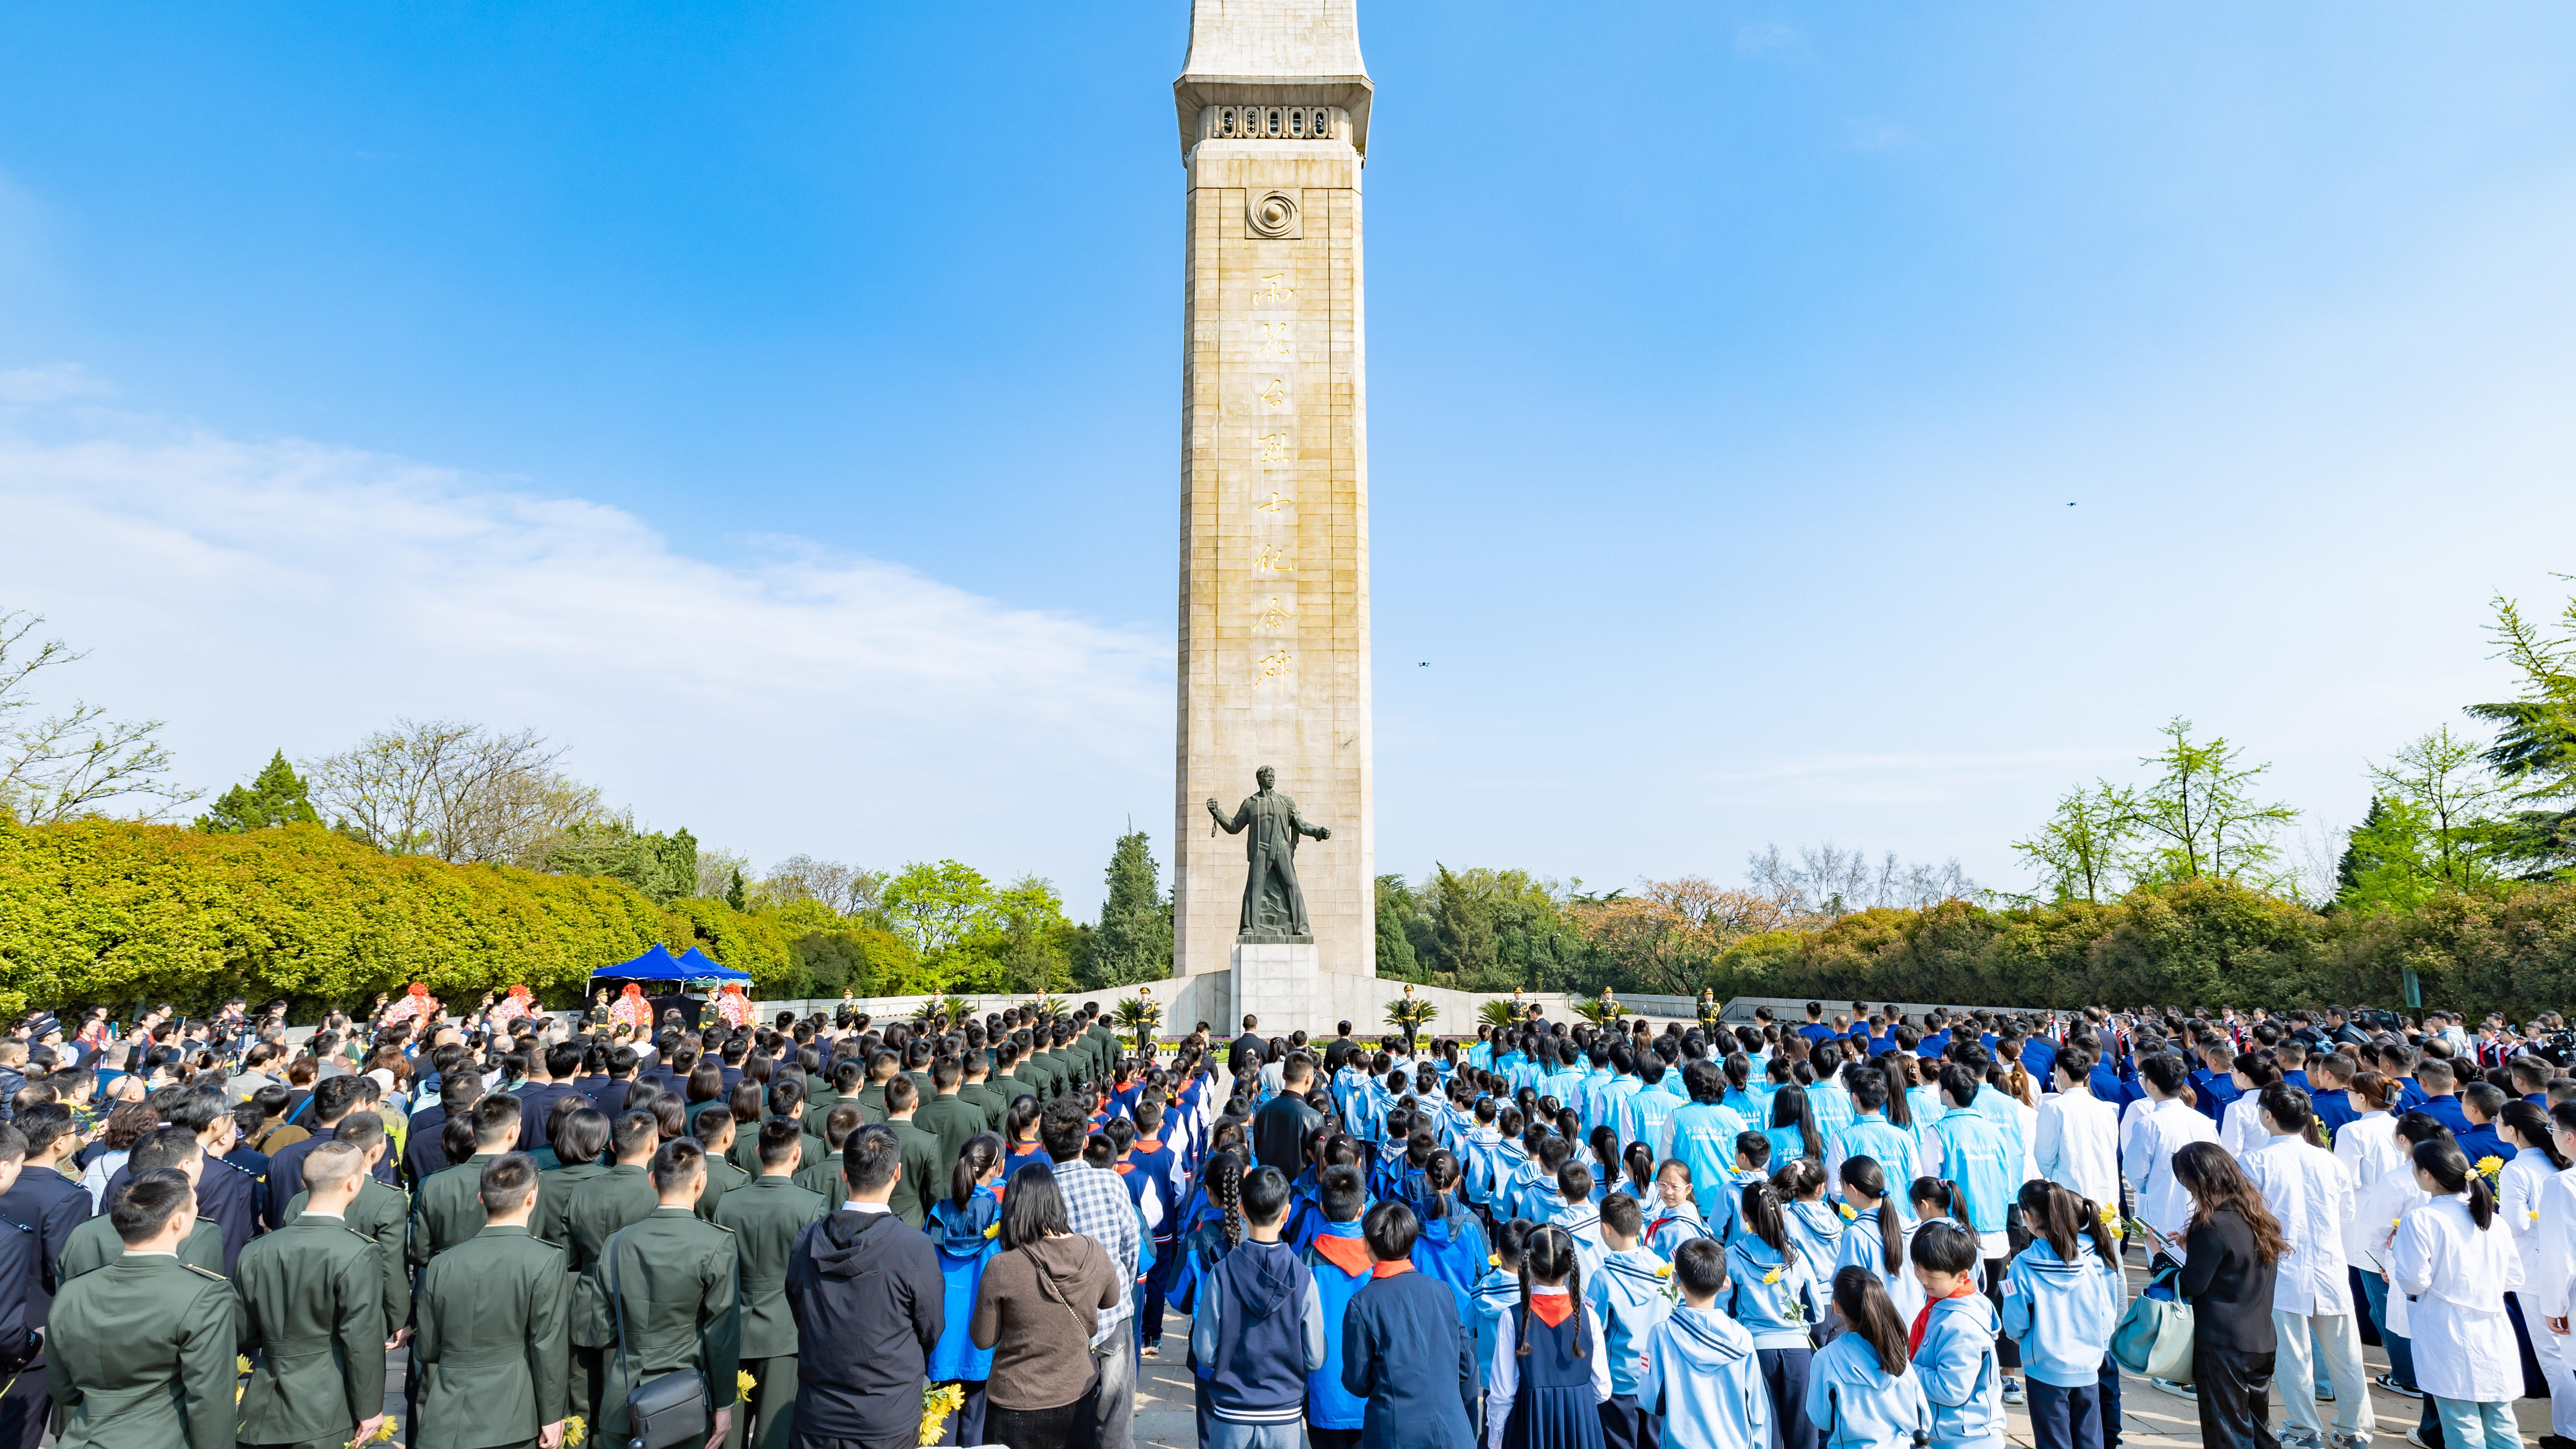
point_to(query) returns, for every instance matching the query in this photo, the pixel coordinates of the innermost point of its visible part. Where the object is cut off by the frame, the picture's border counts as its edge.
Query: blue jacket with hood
(1702, 1377)
(1628, 1293)
(1769, 1292)
(1853, 1402)
(1960, 1375)
(1451, 1248)
(2063, 1314)
(965, 1240)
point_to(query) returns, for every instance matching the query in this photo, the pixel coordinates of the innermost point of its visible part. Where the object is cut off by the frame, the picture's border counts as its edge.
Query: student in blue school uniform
(1627, 1293)
(964, 1228)
(1771, 1294)
(1550, 1372)
(1259, 1333)
(1875, 1236)
(1874, 1132)
(1861, 1390)
(2062, 1300)
(1406, 1350)
(1581, 1220)
(1702, 1378)
(1341, 1265)
(1448, 1242)
(1152, 1170)
(1953, 1339)
(1752, 1154)
(1672, 1214)
(1497, 1292)
(1542, 1201)
(1815, 1226)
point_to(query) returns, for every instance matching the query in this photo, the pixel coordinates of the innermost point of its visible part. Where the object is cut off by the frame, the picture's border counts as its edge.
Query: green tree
(2439, 776)
(1464, 919)
(663, 867)
(733, 890)
(1396, 909)
(2389, 860)
(1133, 942)
(2079, 853)
(933, 907)
(276, 797)
(2200, 818)
(2534, 753)
(1020, 941)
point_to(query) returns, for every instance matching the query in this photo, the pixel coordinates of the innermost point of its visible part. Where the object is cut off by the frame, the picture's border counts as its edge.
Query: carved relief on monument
(1272, 216)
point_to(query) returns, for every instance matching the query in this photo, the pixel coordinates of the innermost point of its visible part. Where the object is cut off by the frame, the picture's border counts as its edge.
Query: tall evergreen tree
(1134, 941)
(733, 891)
(276, 797)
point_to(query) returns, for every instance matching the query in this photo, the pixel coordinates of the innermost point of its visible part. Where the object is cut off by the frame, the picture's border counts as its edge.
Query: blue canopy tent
(657, 964)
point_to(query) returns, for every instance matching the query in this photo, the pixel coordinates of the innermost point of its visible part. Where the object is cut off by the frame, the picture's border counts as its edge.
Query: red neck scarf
(1923, 1320)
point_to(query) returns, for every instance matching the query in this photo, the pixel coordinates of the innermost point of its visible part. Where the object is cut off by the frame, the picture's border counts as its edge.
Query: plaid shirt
(1096, 1205)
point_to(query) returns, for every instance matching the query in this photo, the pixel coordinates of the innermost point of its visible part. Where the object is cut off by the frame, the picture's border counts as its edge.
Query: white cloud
(267, 594)
(54, 382)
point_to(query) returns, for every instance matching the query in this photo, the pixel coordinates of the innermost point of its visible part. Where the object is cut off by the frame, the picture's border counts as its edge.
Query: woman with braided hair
(1217, 1228)
(1550, 1372)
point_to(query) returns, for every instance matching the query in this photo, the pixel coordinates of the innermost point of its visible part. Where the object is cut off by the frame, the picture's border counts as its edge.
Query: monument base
(1281, 982)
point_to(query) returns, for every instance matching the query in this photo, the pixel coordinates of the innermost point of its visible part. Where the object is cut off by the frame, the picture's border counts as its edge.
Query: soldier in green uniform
(823, 1175)
(765, 1218)
(948, 1116)
(447, 1211)
(881, 1070)
(976, 1090)
(492, 1340)
(139, 1353)
(667, 1283)
(621, 1195)
(379, 1213)
(95, 1244)
(312, 1317)
(923, 1167)
(1006, 1082)
(715, 1132)
(847, 1075)
(786, 1099)
(579, 1140)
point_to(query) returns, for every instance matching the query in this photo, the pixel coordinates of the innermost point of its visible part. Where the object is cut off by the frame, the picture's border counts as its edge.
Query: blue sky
(777, 404)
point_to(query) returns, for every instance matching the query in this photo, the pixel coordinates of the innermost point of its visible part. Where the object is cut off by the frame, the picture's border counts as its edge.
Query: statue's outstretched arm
(1235, 826)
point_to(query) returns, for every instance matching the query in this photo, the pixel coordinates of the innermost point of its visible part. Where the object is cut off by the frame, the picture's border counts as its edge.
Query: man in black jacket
(869, 1306)
(1249, 1051)
(549, 1079)
(1279, 1129)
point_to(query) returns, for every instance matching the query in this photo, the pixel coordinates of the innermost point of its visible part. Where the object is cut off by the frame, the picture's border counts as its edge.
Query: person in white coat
(2368, 1148)
(2077, 1142)
(2546, 1293)
(2312, 1194)
(2165, 1126)
(2240, 1127)
(2457, 1264)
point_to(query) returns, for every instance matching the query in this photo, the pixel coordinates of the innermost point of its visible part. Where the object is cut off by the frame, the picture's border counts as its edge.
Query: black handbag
(662, 1412)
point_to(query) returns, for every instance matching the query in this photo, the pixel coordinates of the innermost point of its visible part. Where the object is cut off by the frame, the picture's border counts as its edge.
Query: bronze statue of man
(1273, 908)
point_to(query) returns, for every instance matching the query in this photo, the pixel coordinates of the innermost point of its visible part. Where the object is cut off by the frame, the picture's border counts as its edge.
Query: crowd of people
(1865, 1229)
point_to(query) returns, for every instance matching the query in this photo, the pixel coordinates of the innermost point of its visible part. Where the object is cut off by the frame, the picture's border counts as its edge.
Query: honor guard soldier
(667, 1284)
(95, 1243)
(492, 1343)
(764, 1218)
(312, 1317)
(140, 1352)
(622, 1195)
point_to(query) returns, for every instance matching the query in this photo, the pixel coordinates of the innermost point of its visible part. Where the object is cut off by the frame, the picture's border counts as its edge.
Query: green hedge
(2202, 943)
(112, 912)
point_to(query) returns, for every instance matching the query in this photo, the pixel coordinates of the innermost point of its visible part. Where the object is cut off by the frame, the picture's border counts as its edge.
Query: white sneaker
(2416, 1438)
(2014, 1393)
(2179, 1391)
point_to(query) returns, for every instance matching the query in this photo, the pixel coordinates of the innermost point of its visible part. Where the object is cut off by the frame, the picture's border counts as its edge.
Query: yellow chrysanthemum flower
(1663, 1270)
(1774, 1275)
(2488, 1167)
(1849, 1215)
(744, 1383)
(994, 1231)
(575, 1431)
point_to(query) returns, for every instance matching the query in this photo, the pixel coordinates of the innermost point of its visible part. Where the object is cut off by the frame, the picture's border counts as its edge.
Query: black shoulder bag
(662, 1412)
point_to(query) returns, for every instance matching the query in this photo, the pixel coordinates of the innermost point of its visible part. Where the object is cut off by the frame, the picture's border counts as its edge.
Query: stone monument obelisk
(1274, 650)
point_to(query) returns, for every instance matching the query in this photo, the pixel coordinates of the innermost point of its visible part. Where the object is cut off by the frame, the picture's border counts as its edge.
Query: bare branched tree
(1827, 882)
(66, 766)
(844, 890)
(456, 791)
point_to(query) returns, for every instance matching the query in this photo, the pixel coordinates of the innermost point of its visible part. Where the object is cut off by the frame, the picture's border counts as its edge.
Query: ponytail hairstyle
(1935, 1193)
(1863, 1302)
(2377, 1090)
(1228, 1137)
(2532, 1125)
(2016, 1081)
(1022, 1117)
(1605, 1152)
(1548, 1255)
(1639, 1163)
(2098, 1226)
(1900, 1108)
(1789, 1109)
(981, 1154)
(2448, 1166)
(2288, 1108)
(1440, 1174)
(1569, 1125)
(1739, 1070)
(1762, 1216)
(2049, 1212)
(1510, 1238)
(1223, 1179)
(1864, 1176)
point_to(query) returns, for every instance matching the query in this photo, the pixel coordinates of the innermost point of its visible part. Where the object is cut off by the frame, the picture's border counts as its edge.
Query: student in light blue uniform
(1815, 1227)
(1747, 1095)
(1672, 1216)
(1752, 1154)
(1702, 1375)
(1861, 1390)
(1875, 1236)
(1627, 1291)
(1498, 1291)
(1644, 1113)
(1339, 1259)
(1965, 1148)
(1771, 1294)
(1580, 1219)
(1954, 1343)
(2062, 1301)
(1872, 1133)
(1704, 1134)
(1793, 1127)
(1449, 1244)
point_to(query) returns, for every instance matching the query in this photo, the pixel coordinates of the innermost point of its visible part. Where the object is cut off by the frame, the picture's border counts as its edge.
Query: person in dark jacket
(538, 1095)
(2227, 1278)
(424, 1155)
(869, 1306)
(1279, 1129)
(226, 1195)
(1257, 1330)
(26, 1292)
(1405, 1346)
